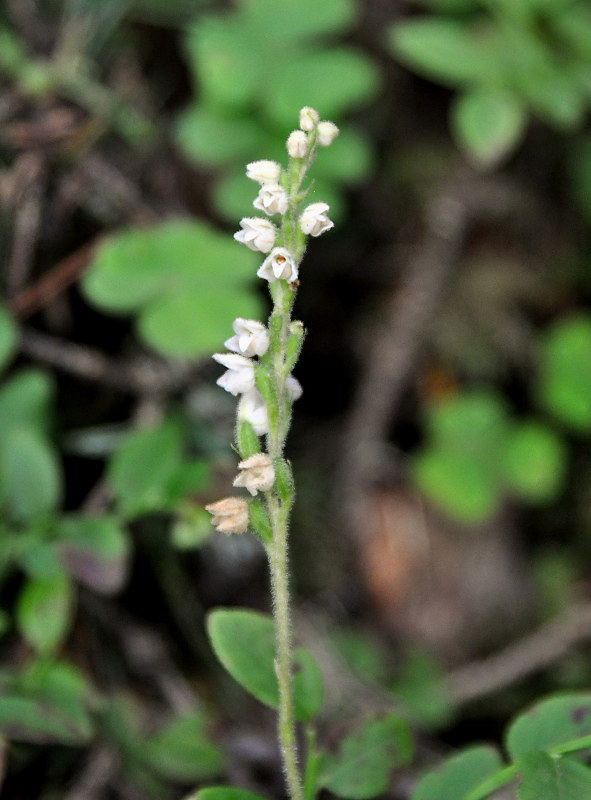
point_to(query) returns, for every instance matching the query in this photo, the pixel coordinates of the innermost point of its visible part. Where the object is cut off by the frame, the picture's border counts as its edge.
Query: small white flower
(252, 408)
(263, 171)
(256, 233)
(279, 264)
(272, 199)
(257, 474)
(251, 339)
(293, 388)
(308, 118)
(327, 133)
(239, 377)
(297, 144)
(314, 221)
(230, 515)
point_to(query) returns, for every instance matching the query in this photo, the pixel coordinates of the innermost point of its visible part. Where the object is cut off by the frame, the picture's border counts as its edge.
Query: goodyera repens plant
(258, 370)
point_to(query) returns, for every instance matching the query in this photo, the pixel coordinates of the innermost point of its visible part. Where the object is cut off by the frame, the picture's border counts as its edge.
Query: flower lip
(279, 265)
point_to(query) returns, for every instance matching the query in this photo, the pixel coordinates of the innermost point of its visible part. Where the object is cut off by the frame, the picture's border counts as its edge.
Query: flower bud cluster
(280, 194)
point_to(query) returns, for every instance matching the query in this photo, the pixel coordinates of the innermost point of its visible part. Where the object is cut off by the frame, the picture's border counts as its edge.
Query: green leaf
(543, 776)
(534, 462)
(366, 758)
(192, 529)
(564, 382)
(334, 81)
(474, 422)
(44, 611)
(183, 752)
(208, 137)
(449, 51)
(458, 774)
(224, 793)
(25, 400)
(549, 723)
(457, 483)
(30, 477)
(488, 125)
(348, 159)
(184, 280)
(421, 687)
(299, 19)
(244, 642)
(8, 337)
(95, 551)
(141, 468)
(451, 6)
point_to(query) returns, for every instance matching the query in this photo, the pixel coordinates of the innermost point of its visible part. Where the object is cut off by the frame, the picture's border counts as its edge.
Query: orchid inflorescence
(259, 364)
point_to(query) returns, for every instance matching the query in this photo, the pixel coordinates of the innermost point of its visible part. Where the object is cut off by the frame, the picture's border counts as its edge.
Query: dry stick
(518, 660)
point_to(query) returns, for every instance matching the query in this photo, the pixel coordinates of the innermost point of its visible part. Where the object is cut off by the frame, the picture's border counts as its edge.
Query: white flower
(293, 388)
(251, 339)
(297, 144)
(327, 133)
(252, 408)
(256, 233)
(263, 171)
(257, 474)
(278, 264)
(239, 377)
(272, 199)
(230, 515)
(308, 118)
(313, 220)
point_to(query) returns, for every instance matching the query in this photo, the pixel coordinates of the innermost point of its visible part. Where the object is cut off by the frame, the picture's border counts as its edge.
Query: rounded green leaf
(224, 793)
(470, 422)
(44, 611)
(30, 477)
(348, 159)
(366, 757)
(211, 138)
(550, 723)
(488, 125)
(457, 483)
(244, 642)
(8, 337)
(534, 462)
(142, 467)
(449, 51)
(545, 778)
(564, 382)
(25, 400)
(458, 774)
(182, 751)
(298, 20)
(333, 81)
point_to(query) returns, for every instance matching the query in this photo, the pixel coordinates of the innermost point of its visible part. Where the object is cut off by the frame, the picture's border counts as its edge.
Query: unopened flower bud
(308, 118)
(256, 233)
(293, 388)
(251, 339)
(314, 221)
(252, 409)
(297, 144)
(279, 264)
(272, 199)
(230, 515)
(327, 133)
(256, 473)
(263, 171)
(239, 377)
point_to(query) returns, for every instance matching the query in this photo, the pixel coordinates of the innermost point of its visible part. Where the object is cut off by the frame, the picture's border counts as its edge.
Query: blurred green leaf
(332, 81)
(25, 399)
(449, 51)
(549, 723)
(299, 19)
(564, 380)
(534, 461)
(244, 642)
(8, 337)
(192, 529)
(44, 611)
(458, 774)
(214, 139)
(475, 421)
(182, 751)
(542, 776)
(366, 758)
(223, 793)
(185, 281)
(95, 551)
(141, 469)
(348, 159)
(421, 687)
(30, 476)
(488, 125)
